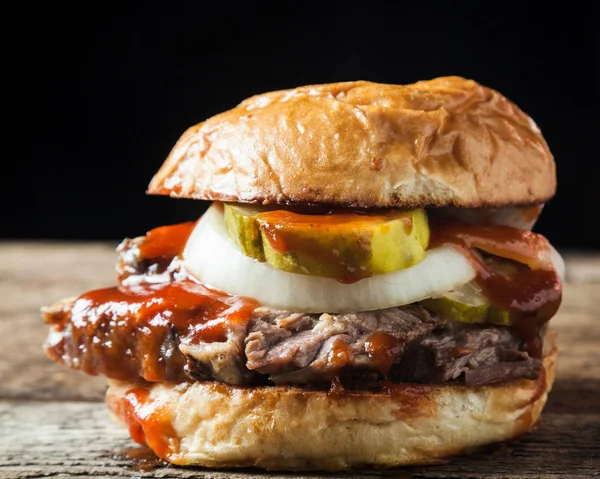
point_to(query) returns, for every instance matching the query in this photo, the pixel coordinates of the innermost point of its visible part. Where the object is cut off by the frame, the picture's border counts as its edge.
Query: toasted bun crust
(447, 141)
(216, 425)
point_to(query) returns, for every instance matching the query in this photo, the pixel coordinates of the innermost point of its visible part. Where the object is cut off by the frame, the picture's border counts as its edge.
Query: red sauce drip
(166, 241)
(128, 412)
(339, 356)
(532, 296)
(147, 421)
(383, 349)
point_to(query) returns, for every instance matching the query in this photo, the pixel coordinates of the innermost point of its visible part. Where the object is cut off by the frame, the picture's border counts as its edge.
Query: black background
(115, 87)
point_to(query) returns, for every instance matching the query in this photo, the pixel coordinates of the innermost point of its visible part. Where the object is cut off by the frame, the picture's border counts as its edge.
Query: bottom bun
(288, 428)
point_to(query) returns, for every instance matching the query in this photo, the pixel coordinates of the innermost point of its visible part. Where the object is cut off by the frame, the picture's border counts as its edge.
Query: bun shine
(442, 142)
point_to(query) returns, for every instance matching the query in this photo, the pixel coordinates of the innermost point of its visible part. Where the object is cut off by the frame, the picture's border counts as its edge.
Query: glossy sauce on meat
(532, 295)
(131, 331)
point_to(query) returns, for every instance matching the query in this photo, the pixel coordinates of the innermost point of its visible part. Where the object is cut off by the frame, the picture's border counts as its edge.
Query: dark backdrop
(115, 87)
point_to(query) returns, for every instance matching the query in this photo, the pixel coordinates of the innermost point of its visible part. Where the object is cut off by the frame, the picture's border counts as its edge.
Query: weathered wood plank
(50, 438)
(33, 275)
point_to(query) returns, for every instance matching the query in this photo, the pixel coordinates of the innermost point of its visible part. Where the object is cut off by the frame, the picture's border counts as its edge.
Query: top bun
(442, 142)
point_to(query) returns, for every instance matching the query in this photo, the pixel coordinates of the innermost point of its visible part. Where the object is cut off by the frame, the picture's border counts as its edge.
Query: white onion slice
(213, 259)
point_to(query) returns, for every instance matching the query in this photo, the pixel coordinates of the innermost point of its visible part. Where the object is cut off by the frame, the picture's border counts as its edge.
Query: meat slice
(110, 340)
(141, 331)
(222, 361)
(527, 368)
(483, 354)
(134, 268)
(295, 349)
(122, 343)
(153, 258)
(405, 344)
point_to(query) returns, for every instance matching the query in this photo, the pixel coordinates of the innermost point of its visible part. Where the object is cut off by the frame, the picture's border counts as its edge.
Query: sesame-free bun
(289, 428)
(447, 141)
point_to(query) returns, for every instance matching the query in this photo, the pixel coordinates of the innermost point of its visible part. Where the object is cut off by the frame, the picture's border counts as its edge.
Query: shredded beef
(222, 361)
(528, 368)
(300, 348)
(133, 268)
(482, 354)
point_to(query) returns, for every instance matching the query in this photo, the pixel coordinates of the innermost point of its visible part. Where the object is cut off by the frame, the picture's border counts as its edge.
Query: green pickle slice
(467, 304)
(347, 246)
(243, 229)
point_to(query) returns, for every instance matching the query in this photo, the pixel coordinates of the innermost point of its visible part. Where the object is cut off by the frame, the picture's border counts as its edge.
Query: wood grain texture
(52, 423)
(31, 276)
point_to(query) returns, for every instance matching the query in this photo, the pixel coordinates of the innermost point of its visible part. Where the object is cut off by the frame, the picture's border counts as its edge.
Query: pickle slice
(242, 227)
(347, 246)
(467, 304)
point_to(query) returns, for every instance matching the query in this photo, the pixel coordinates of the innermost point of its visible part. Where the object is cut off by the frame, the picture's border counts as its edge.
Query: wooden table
(53, 421)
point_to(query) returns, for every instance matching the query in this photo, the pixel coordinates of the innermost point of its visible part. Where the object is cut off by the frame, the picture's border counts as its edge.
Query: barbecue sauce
(166, 241)
(133, 330)
(532, 295)
(148, 422)
(383, 349)
(156, 252)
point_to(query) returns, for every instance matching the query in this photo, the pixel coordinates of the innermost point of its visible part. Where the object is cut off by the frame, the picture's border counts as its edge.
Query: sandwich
(364, 287)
